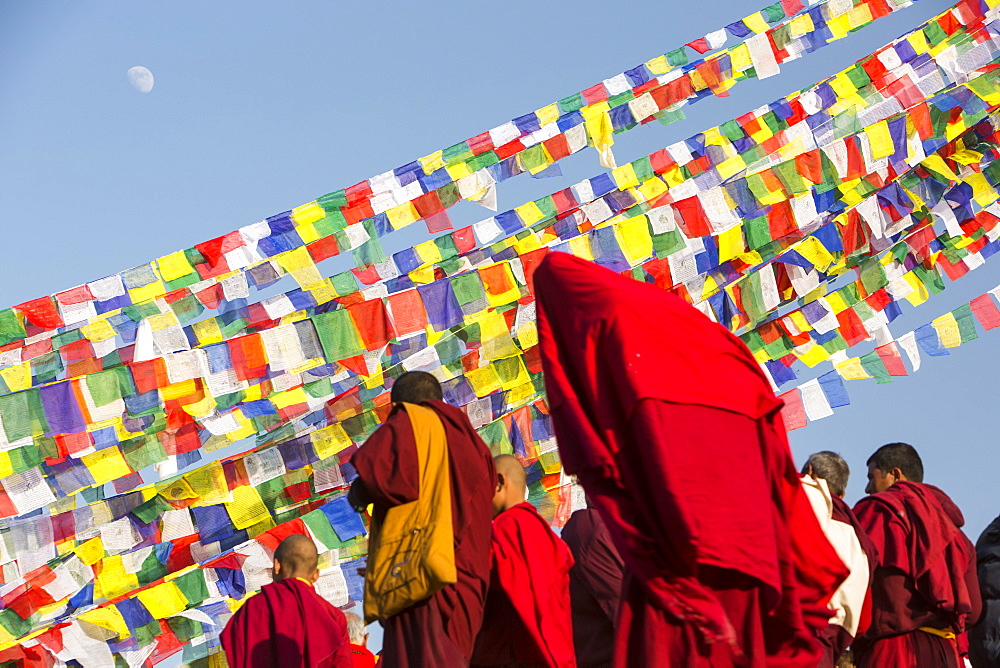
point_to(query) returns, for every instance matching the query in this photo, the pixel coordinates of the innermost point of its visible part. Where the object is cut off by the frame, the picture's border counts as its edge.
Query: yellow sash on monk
(411, 555)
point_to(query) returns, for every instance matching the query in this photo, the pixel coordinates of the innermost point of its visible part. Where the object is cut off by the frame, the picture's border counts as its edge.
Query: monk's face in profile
(879, 480)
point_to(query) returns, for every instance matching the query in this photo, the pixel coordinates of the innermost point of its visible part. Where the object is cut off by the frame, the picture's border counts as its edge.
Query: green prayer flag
(873, 364)
(966, 323)
(192, 586)
(338, 335)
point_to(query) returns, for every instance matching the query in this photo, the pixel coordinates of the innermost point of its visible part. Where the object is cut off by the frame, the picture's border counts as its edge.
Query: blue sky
(259, 107)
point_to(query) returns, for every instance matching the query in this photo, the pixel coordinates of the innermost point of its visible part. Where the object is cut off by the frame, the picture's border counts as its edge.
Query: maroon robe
(926, 577)
(287, 624)
(595, 587)
(527, 621)
(673, 430)
(440, 630)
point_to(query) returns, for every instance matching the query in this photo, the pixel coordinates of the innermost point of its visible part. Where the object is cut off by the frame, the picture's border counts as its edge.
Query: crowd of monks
(702, 543)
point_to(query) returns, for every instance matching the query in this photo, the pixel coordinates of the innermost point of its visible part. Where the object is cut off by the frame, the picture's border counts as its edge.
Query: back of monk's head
(416, 387)
(356, 628)
(296, 557)
(512, 483)
(831, 467)
(902, 456)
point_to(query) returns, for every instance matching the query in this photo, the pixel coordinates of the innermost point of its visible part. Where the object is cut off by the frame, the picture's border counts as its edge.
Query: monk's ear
(897, 474)
(500, 481)
(276, 570)
(314, 576)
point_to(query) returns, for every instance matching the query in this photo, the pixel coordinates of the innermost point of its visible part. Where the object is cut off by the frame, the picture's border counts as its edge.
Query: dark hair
(830, 467)
(900, 456)
(416, 387)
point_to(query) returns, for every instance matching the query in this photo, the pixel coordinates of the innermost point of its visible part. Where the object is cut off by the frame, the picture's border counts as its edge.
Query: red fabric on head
(648, 396)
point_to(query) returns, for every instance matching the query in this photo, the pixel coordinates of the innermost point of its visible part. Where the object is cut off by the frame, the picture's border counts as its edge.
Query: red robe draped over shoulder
(673, 430)
(287, 624)
(595, 587)
(926, 577)
(527, 621)
(440, 630)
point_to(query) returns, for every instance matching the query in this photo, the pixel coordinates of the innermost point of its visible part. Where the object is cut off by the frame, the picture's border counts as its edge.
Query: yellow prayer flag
(652, 188)
(432, 162)
(580, 247)
(813, 355)
(731, 166)
(296, 395)
(801, 25)
(176, 490)
(813, 250)
(634, 239)
(947, 329)
(207, 331)
(659, 65)
(757, 23)
(163, 600)
(731, 243)
(624, 176)
(18, 376)
(919, 294)
(880, 140)
(740, 57)
(91, 551)
(147, 292)
(308, 213)
(529, 213)
(548, 114)
(107, 617)
(174, 266)
(331, 440)
(851, 369)
(484, 381)
(246, 508)
(185, 388)
(295, 259)
(98, 330)
(428, 252)
(402, 215)
(113, 580)
(106, 465)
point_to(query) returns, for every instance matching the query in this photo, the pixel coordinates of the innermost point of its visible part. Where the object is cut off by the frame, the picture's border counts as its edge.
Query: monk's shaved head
(512, 483)
(296, 556)
(509, 466)
(416, 387)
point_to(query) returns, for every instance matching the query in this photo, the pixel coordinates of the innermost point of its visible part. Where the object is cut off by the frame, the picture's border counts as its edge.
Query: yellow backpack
(411, 554)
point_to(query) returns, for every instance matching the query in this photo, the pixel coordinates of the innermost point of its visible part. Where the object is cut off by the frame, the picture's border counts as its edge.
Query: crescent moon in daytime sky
(140, 78)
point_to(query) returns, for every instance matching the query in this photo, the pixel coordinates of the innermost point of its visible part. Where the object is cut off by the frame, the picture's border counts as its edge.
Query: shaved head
(296, 556)
(416, 387)
(512, 483)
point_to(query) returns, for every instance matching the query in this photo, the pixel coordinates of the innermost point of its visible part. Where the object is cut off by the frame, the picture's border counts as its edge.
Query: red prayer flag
(793, 414)
(986, 312)
(41, 312)
(889, 354)
(700, 45)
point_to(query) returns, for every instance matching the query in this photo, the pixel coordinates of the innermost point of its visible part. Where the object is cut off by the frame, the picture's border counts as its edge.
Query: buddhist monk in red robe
(527, 622)
(288, 623)
(673, 430)
(440, 630)
(595, 587)
(926, 591)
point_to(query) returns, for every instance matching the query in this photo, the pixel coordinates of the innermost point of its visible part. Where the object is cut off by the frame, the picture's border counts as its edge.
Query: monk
(362, 656)
(440, 630)
(527, 621)
(824, 478)
(925, 591)
(672, 428)
(595, 587)
(288, 623)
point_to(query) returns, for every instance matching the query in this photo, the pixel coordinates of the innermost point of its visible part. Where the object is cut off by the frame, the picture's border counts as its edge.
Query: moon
(140, 78)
